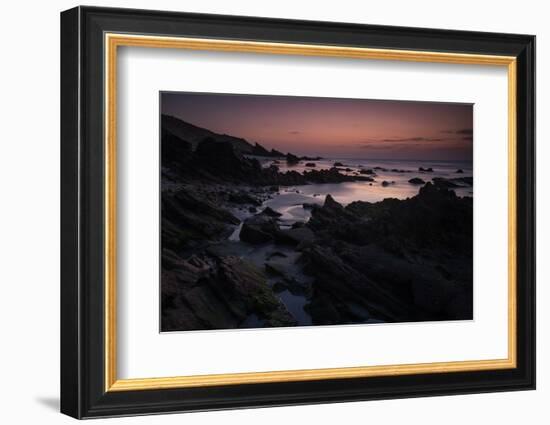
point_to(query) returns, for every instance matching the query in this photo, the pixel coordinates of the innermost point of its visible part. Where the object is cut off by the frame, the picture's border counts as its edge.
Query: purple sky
(333, 127)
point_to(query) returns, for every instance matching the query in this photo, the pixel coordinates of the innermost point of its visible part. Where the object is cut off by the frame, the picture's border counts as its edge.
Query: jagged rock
(277, 153)
(459, 171)
(338, 164)
(259, 229)
(309, 205)
(217, 295)
(310, 164)
(191, 217)
(242, 197)
(426, 170)
(392, 260)
(297, 236)
(270, 212)
(292, 159)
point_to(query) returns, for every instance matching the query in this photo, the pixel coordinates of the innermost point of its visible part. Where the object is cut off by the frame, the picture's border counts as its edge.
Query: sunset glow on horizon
(333, 127)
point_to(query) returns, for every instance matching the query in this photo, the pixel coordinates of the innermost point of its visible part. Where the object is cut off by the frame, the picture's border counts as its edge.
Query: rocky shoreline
(388, 261)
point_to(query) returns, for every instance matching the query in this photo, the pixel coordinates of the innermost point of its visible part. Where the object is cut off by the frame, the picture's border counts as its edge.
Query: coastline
(246, 244)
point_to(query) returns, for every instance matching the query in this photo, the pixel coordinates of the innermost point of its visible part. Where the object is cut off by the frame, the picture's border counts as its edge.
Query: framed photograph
(261, 212)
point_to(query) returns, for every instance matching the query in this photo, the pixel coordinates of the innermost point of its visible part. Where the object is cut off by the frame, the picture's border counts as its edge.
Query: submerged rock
(367, 171)
(416, 180)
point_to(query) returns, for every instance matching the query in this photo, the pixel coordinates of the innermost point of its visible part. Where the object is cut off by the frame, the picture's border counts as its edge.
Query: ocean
(397, 173)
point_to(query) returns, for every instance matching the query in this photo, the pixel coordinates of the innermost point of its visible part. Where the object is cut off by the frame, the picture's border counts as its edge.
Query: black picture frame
(83, 392)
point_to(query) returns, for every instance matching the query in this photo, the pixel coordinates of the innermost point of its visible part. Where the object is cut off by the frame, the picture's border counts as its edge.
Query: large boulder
(297, 236)
(259, 229)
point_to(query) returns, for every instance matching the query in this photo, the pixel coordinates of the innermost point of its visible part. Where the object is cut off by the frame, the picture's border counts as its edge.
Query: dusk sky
(332, 127)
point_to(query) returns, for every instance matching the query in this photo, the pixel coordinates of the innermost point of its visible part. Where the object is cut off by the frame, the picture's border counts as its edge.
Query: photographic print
(280, 211)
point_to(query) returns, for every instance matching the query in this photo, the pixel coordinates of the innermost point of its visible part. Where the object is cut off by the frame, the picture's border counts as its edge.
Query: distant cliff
(193, 135)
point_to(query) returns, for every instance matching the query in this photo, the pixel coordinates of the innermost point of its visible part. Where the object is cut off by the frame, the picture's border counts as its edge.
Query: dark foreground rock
(208, 293)
(192, 218)
(393, 261)
(259, 229)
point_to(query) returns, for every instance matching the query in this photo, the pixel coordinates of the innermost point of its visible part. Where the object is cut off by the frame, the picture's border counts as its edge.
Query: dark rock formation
(259, 229)
(367, 171)
(292, 159)
(331, 175)
(277, 153)
(207, 293)
(310, 164)
(392, 260)
(271, 212)
(189, 219)
(241, 197)
(297, 236)
(416, 180)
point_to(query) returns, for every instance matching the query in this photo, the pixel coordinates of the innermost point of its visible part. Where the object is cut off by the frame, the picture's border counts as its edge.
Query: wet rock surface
(407, 260)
